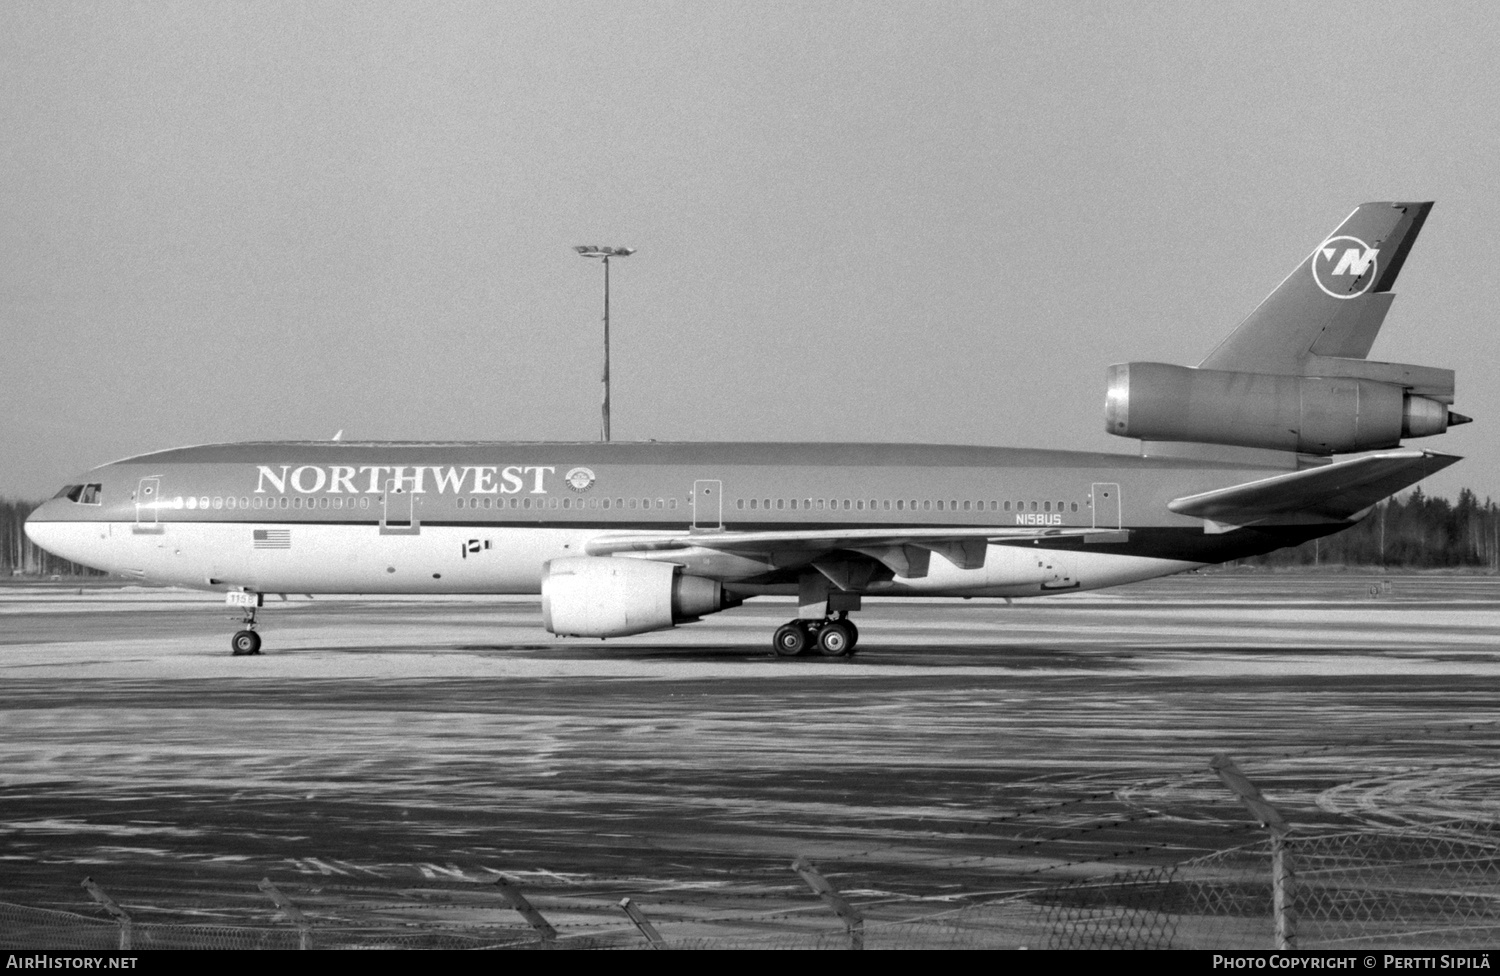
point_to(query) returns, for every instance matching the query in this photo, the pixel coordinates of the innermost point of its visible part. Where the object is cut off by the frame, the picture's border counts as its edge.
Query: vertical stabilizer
(1336, 300)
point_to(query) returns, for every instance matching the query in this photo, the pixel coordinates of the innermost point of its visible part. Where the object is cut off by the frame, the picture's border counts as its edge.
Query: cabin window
(739, 503)
(230, 502)
(780, 503)
(1033, 506)
(966, 506)
(846, 504)
(662, 504)
(820, 504)
(940, 504)
(755, 503)
(1059, 506)
(322, 502)
(1075, 506)
(766, 504)
(900, 504)
(606, 503)
(1046, 506)
(672, 504)
(567, 503)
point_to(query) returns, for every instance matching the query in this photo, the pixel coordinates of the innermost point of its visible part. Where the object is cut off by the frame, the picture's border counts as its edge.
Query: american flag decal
(273, 538)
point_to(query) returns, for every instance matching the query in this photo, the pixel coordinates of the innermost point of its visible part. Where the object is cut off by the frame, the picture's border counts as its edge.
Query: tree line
(1419, 532)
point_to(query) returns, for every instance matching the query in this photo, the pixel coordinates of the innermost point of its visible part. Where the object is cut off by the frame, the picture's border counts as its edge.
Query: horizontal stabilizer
(1330, 493)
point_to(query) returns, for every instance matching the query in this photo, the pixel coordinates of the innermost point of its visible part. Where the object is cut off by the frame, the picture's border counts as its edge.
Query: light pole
(605, 253)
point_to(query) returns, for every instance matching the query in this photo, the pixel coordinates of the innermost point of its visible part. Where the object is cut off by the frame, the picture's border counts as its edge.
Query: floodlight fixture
(604, 252)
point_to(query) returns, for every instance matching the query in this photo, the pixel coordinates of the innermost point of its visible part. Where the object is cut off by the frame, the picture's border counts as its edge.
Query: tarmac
(383, 760)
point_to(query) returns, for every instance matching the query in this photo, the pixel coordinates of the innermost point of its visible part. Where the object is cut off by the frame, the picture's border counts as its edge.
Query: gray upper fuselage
(648, 484)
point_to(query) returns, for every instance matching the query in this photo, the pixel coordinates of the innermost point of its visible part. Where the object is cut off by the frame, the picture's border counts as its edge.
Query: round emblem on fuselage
(1345, 267)
(579, 479)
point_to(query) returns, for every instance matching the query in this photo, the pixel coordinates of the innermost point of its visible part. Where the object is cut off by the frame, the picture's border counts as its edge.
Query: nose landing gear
(245, 642)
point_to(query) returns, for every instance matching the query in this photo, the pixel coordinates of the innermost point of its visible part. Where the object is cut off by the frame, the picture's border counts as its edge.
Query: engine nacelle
(1307, 414)
(613, 596)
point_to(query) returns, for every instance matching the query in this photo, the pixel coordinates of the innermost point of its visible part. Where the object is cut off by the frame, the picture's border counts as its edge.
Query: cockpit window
(82, 494)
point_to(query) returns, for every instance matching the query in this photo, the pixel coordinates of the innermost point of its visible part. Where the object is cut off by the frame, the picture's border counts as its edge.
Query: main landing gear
(829, 637)
(246, 642)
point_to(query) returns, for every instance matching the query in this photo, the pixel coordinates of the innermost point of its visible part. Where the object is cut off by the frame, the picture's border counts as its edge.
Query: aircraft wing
(817, 539)
(1332, 492)
(905, 550)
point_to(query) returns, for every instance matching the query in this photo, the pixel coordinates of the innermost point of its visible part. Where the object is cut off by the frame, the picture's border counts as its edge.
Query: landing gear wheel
(790, 640)
(853, 635)
(245, 642)
(835, 639)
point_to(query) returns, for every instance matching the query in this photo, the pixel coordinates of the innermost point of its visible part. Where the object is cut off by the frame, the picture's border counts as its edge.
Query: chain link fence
(1396, 887)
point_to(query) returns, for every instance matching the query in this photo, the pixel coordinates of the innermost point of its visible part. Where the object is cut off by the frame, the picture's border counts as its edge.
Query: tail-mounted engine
(1345, 406)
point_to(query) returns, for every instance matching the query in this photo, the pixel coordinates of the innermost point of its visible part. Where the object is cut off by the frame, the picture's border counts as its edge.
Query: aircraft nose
(39, 526)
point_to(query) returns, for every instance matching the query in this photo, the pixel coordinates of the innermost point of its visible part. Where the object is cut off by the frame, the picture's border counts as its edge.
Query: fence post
(853, 920)
(304, 927)
(643, 923)
(127, 927)
(516, 900)
(1282, 878)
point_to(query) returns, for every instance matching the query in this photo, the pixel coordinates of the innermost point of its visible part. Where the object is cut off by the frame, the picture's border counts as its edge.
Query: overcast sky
(936, 222)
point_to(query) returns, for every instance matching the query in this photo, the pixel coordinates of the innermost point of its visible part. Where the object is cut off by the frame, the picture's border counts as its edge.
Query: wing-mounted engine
(1293, 376)
(604, 596)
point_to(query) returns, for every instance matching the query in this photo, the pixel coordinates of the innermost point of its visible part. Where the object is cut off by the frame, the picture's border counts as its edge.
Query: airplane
(1237, 458)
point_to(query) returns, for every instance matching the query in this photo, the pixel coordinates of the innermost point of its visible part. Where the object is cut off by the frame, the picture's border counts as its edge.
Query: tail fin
(1334, 303)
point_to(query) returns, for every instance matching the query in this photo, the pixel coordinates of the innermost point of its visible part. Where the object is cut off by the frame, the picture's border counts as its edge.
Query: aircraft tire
(853, 634)
(834, 639)
(244, 643)
(790, 640)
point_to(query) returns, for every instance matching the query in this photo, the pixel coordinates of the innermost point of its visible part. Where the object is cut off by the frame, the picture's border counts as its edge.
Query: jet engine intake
(1307, 414)
(608, 596)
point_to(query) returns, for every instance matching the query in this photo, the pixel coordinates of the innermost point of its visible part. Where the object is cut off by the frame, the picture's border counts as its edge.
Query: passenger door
(1105, 502)
(708, 504)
